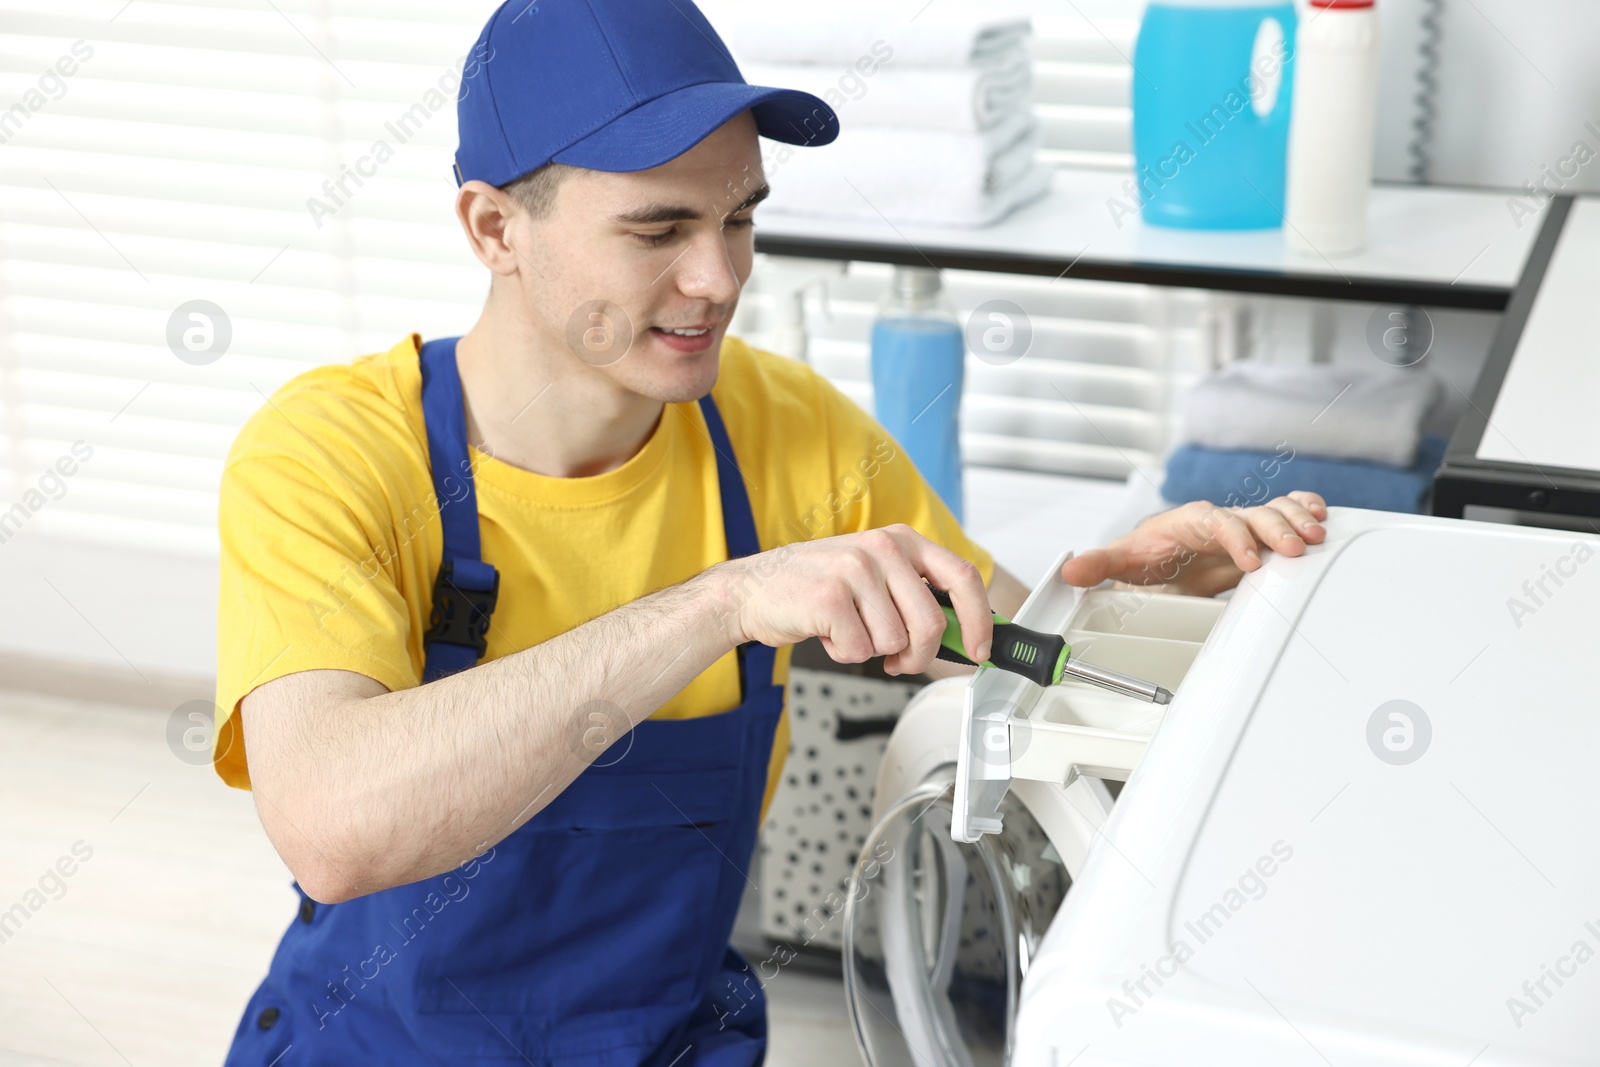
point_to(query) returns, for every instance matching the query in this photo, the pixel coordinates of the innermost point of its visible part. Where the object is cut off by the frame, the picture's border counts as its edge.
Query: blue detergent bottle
(1212, 84)
(918, 353)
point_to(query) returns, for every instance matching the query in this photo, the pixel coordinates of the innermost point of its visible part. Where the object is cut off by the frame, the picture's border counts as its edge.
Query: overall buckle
(461, 616)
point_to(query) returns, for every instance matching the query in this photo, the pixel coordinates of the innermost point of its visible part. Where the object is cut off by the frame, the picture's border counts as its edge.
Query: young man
(505, 619)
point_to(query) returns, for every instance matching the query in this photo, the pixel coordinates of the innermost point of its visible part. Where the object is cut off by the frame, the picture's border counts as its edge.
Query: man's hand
(1200, 548)
(861, 593)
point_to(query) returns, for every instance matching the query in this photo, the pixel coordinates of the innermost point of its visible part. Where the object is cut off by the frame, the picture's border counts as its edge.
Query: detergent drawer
(1362, 832)
(1013, 731)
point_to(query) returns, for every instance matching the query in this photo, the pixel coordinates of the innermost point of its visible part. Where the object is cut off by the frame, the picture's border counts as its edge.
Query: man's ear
(489, 217)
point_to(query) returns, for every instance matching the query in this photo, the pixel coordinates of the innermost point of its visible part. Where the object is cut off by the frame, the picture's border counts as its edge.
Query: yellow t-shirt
(331, 540)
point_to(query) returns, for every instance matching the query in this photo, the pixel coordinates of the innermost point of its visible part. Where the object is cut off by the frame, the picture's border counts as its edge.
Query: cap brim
(662, 129)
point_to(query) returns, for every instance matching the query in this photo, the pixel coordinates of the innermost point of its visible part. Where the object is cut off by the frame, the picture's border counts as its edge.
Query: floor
(144, 955)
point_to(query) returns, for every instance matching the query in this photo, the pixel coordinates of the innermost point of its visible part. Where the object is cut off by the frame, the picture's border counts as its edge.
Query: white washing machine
(1362, 833)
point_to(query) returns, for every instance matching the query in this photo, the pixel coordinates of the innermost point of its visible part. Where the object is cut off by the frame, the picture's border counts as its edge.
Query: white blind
(1092, 396)
(175, 163)
(1082, 86)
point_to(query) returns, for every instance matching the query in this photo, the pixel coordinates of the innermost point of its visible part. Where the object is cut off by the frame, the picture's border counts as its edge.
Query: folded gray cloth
(1367, 414)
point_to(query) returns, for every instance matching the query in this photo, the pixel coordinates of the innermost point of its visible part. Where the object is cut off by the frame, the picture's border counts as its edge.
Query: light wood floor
(148, 956)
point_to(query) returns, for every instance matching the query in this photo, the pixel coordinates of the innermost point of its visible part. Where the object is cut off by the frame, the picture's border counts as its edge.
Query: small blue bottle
(918, 353)
(1212, 83)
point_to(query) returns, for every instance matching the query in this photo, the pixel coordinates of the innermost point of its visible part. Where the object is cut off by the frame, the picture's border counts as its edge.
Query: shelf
(1427, 245)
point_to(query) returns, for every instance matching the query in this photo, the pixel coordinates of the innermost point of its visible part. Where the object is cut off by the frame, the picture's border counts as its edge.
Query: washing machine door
(938, 934)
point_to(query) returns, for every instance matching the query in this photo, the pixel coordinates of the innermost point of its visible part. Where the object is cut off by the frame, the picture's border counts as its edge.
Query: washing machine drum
(938, 934)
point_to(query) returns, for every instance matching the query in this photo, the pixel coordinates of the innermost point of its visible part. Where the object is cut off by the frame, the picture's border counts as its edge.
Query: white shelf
(1438, 246)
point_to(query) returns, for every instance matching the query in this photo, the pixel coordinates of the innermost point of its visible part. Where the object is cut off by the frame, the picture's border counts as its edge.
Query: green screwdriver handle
(1038, 657)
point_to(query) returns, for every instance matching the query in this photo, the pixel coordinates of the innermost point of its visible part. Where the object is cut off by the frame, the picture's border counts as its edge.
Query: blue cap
(614, 85)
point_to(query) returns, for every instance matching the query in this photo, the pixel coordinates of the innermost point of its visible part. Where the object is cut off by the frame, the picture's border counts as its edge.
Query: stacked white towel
(934, 106)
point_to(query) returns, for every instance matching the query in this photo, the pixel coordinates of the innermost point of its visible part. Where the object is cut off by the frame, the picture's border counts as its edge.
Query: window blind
(1082, 88)
(196, 152)
(1092, 396)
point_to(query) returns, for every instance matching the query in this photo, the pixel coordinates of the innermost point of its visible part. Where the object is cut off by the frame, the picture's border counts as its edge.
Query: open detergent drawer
(1014, 731)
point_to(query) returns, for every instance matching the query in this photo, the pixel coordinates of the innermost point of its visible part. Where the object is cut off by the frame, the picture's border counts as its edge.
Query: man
(505, 620)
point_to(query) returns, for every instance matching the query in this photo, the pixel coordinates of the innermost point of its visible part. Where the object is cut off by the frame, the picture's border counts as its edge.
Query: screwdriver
(1043, 659)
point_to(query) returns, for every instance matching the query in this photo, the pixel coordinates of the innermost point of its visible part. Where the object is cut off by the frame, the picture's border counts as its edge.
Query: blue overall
(597, 932)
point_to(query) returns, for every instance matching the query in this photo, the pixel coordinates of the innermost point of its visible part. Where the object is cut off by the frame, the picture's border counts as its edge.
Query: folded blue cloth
(1246, 478)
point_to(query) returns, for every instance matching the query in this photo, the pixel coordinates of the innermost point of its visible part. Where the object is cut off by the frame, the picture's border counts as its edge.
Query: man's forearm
(389, 789)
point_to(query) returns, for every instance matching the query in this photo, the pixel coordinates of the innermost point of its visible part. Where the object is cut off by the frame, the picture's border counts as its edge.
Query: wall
(135, 624)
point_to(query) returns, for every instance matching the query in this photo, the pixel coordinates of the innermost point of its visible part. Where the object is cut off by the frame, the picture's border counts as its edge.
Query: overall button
(267, 1018)
(308, 908)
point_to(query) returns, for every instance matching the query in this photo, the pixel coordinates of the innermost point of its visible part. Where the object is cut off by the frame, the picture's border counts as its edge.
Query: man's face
(623, 257)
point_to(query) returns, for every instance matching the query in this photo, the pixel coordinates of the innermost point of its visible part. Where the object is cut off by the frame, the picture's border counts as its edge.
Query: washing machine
(1362, 833)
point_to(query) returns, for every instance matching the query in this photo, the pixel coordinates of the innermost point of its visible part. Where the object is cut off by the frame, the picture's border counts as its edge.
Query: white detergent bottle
(1332, 127)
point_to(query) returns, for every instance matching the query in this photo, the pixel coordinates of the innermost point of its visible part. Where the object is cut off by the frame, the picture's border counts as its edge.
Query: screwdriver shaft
(1117, 681)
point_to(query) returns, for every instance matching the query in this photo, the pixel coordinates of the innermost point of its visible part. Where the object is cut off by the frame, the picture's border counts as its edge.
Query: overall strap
(739, 529)
(466, 588)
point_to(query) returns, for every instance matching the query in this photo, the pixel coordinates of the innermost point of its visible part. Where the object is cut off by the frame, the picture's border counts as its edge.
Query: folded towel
(1246, 478)
(958, 99)
(917, 176)
(1368, 414)
(839, 32)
